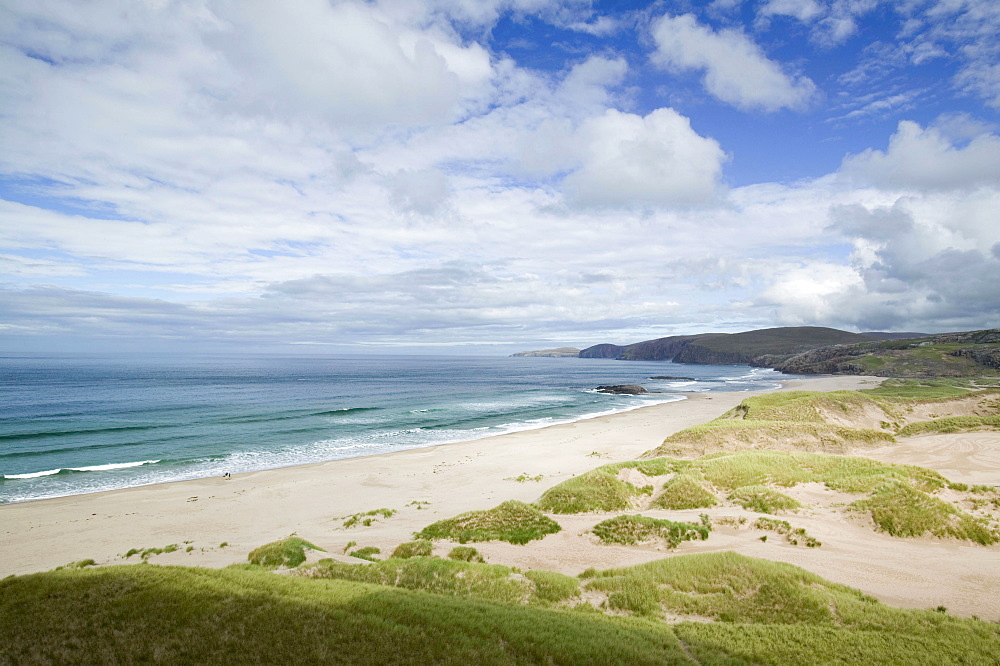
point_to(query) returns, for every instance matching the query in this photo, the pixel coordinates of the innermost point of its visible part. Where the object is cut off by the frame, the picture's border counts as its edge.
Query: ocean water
(83, 423)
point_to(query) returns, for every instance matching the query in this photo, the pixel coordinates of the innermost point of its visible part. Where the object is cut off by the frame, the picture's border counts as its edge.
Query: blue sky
(493, 175)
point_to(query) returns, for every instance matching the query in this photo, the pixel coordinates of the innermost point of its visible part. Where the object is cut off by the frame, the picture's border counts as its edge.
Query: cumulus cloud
(634, 161)
(736, 69)
(928, 158)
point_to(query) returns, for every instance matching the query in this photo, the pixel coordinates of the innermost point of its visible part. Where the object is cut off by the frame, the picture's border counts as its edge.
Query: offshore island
(851, 517)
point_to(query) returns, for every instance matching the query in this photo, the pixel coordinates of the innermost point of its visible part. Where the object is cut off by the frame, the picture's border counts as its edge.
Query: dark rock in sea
(675, 379)
(623, 389)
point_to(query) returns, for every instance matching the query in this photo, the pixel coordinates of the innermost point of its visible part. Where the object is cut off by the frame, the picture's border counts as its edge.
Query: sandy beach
(428, 484)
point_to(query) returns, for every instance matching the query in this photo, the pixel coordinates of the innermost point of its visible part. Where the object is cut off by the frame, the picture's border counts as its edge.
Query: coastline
(427, 484)
(254, 508)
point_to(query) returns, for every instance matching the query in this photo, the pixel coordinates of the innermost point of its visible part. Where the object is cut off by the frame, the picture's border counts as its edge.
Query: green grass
(748, 477)
(950, 424)
(730, 434)
(768, 612)
(902, 510)
(368, 517)
(287, 552)
(684, 491)
(465, 554)
(146, 553)
(927, 390)
(418, 548)
(734, 588)
(366, 553)
(181, 615)
(639, 529)
(763, 499)
(80, 564)
(597, 490)
(511, 521)
(553, 588)
(490, 582)
(793, 535)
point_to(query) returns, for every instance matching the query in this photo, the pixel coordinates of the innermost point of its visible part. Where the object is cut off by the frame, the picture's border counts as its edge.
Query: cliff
(727, 348)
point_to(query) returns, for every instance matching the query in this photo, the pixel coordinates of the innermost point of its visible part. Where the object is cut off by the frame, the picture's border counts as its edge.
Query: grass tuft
(465, 554)
(638, 529)
(366, 553)
(512, 521)
(763, 499)
(596, 490)
(902, 510)
(684, 491)
(418, 548)
(287, 552)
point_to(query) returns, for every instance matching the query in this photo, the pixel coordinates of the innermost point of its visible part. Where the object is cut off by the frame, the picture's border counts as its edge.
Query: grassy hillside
(949, 355)
(818, 350)
(765, 613)
(727, 348)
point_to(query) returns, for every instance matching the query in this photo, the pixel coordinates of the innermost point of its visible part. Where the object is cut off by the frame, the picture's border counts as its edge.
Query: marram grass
(904, 511)
(640, 529)
(684, 491)
(950, 424)
(766, 612)
(596, 490)
(511, 521)
(763, 499)
(287, 552)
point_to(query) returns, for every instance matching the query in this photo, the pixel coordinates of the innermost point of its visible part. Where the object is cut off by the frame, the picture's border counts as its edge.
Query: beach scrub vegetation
(793, 535)
(204, 616)
(763, 499)
(765, 612)
(146, 553)
(288, 552)
(80, 564)
(465, 554)
(832, 422)
(490, 582)
(642, 529)
(752, 479)
(734, 588)
(367, 518)
(596, 490)
(684, 491)
(950, 424)
(901, 510)
(512, 521)
(418, 548)
(366, 553)
(525, 477)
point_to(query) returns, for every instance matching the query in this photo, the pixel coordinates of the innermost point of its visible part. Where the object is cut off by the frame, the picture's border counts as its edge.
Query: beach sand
(429, 484)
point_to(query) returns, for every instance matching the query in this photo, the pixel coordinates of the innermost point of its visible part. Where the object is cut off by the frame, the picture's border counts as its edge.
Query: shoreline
(423, 485)
(253, 508)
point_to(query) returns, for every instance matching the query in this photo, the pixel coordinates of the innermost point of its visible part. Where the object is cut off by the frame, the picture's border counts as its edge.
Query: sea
(72, 424)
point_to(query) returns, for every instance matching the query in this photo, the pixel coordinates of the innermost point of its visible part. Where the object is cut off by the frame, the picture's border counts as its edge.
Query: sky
(488, 176)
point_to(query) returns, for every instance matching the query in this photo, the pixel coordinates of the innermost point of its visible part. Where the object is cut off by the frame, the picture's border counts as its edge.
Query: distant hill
(946, 355)
(559, 352)
(882, 335)
(729, 348)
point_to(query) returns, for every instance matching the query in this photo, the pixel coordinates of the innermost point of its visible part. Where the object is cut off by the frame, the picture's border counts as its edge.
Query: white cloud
(635, 161)
(803, 10)
(927, 158)
(736, 69)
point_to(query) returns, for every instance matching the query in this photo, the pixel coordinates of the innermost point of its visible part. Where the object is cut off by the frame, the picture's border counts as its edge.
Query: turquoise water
(76, 424)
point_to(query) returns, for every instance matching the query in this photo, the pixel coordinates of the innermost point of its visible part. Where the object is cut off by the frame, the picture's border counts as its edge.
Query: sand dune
(426, 485)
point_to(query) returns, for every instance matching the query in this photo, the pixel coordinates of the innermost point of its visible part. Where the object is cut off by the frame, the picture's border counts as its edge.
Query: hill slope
(728, 348)
(946, 355)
